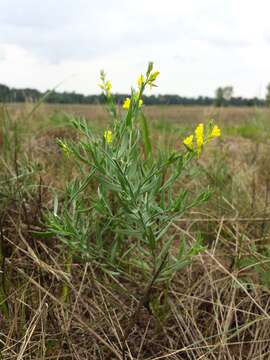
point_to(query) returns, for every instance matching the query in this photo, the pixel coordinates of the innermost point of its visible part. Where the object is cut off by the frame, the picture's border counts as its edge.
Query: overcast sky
(197, 45)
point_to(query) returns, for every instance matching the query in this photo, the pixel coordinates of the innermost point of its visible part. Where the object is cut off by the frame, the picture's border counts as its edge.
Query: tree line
(223, 97)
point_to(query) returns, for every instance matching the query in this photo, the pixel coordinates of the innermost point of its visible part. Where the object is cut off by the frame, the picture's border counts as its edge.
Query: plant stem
(143, 301)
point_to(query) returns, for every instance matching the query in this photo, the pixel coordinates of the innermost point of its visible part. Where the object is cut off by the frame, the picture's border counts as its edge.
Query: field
(56, 305)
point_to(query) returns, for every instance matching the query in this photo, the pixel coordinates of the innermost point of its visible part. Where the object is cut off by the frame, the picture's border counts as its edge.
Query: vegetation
(123, 199)
(268, 95)
(9, 95)
(109, 249)
(223, 95)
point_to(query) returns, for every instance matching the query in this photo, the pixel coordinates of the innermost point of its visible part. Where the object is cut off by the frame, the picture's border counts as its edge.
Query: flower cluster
(108, 136)
(142, 82)
(202, 137)
(105, 85)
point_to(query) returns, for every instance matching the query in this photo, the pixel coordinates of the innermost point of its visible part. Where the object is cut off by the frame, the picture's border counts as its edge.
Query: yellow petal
(199, 133)
(126, 103)
(108, 87)
(215, 132)
(188, 142)
(154, 76)
(108, 136)
(140, 81)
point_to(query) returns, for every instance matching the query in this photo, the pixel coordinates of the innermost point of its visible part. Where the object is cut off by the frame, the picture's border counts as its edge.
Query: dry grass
(218, 308)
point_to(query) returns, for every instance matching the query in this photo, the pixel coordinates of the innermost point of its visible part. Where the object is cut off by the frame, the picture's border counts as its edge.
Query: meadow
(58, 302)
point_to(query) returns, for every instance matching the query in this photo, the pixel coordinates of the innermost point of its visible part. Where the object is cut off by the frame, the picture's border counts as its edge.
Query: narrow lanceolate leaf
(146, 137)
(55, 205)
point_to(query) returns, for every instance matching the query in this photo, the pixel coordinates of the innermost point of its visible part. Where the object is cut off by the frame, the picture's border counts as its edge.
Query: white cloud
(197, 45)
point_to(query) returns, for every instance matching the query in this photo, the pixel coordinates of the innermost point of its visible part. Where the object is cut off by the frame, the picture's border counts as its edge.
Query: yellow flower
(188, 142)
(140, 103)
(140, 81)
(108, 136)
(126, 103)
(199, 132)
(154, 76)
(215, 132)
(64, 147)
(108, 87)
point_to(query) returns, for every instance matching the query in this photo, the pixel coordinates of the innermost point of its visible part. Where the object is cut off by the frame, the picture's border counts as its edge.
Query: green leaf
(146, 137)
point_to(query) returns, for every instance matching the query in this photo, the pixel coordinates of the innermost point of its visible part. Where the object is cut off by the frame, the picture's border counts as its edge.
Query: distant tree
(4, 93)
(268, 95)
(219, 97)
(223, 95)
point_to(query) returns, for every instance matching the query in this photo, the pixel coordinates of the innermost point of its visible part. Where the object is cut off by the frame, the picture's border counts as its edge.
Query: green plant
(18, 189)
(117, 213)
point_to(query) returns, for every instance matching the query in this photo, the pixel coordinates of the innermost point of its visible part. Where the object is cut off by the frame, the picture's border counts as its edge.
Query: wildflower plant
(118, 212)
